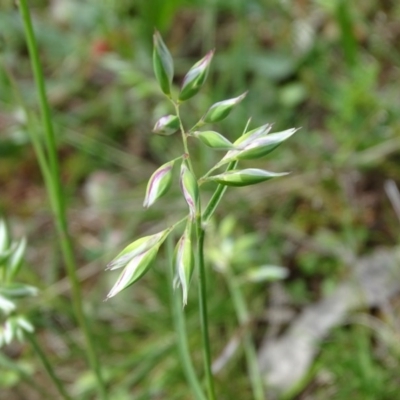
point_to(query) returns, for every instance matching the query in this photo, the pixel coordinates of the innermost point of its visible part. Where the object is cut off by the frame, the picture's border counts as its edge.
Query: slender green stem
(198, 124)
(48, 367)
(250, 352)
(221, 189)
(41, 90)
(56, 197)
(200, 233)
(208, 173)
(217, 196)
(184, 138)
(180, 329)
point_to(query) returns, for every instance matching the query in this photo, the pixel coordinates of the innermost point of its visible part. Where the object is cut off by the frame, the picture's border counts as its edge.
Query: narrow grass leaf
(16, 259)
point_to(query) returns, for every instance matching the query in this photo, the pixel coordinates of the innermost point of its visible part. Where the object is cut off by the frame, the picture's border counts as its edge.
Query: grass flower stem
(180, 328)
(217, 196)
(48, 366)
(184, 138)
(52, 173)
(221, 189)
(200, 235)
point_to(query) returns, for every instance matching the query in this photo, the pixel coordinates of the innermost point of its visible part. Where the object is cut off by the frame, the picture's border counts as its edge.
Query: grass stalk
(200, 235)
(180, 329)
(51, 171)
(221, 189)
(48, 366)
(217, 196)
(200, 224)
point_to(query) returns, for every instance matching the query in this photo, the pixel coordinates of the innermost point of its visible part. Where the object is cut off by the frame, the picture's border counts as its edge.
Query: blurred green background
(328, 66)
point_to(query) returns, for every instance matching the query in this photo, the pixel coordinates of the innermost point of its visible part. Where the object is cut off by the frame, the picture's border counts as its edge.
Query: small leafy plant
(136, 259)
(14, 325)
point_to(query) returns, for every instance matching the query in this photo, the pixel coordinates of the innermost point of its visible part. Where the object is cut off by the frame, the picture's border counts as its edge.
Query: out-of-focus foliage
(331, 67)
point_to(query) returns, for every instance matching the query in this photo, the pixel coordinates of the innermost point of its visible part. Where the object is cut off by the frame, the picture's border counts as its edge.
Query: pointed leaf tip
(245, 177)
(133, 271)
(257, 144)
(158, 184)
(222, 109)
(137, 248)
(195, 78)
(162, 63)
